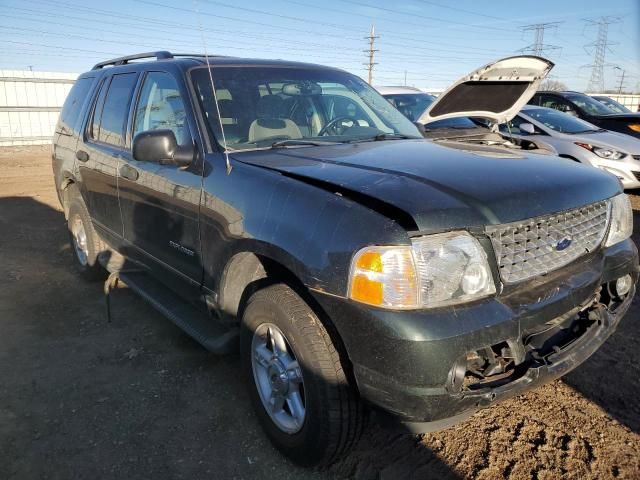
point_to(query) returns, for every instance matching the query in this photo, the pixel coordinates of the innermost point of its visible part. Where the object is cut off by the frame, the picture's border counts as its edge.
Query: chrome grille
(539, 245)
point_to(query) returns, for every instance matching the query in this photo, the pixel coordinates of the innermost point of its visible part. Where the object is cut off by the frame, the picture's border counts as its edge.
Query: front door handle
(128, 172)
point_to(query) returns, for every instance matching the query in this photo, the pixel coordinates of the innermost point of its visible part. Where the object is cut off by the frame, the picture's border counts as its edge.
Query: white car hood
(495, 92)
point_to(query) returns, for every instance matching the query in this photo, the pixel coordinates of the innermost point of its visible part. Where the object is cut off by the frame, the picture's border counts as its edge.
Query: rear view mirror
(527, 128)
(161, 146)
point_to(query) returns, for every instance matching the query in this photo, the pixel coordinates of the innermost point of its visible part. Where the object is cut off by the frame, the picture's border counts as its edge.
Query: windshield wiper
(300, 143)
(384, 136)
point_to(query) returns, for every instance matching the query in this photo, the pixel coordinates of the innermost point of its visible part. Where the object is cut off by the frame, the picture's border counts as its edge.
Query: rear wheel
(296, 379)
(86, 245)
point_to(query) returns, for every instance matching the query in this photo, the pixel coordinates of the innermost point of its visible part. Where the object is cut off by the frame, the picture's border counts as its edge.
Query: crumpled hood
(444, 188)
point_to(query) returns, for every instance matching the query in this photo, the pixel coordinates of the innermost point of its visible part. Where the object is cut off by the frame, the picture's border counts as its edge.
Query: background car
(612, 104)
(589, 109)
(580, 141)
(409, 100)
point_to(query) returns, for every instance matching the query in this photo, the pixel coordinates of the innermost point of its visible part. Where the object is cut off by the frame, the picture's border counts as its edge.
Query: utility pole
(600, 47)
(371, 52)
(538, 47)
(621, 84)
(405, 78)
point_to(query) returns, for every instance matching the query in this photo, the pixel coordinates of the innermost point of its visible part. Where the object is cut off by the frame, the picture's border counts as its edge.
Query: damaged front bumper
(430, 369)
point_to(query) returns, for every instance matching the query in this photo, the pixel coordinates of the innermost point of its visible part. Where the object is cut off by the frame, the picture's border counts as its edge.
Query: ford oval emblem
(563, 244)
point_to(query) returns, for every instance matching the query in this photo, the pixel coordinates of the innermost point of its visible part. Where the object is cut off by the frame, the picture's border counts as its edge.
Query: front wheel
(296, 379)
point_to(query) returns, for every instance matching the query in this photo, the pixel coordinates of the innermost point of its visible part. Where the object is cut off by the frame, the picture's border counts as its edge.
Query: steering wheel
(333, 124)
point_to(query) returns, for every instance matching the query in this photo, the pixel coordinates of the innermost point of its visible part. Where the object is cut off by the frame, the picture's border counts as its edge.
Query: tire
(333, 415)
(85, 243)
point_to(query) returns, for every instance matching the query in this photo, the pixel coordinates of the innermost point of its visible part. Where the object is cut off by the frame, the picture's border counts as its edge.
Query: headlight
(635, 127)
(436, 270)
(607, 153)
(621, 224)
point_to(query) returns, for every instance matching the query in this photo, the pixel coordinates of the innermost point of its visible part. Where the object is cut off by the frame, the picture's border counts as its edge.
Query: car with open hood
(581, 141)
(589, 109)
(467, 113)
(288, 211)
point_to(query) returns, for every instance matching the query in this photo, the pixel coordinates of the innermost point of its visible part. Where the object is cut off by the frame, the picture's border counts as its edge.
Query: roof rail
(159, 55)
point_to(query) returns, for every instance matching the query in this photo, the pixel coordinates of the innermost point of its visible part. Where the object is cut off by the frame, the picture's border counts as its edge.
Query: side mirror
(527, 128)
(161, 146)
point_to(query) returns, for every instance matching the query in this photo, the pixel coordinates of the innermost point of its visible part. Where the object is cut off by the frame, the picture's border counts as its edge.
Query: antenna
(213, 89)
(538, 47)
(600, 47)
(371, 52)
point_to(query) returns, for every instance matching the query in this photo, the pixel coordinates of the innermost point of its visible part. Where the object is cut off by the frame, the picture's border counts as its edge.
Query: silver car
(581, 141)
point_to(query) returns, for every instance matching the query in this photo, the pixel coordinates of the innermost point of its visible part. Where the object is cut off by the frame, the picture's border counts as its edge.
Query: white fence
(29, 105)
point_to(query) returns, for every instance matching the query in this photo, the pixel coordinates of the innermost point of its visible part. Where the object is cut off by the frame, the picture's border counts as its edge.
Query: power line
(417, 15)
(538, 47)
(371, 52)
(461, 10)
(600, 47)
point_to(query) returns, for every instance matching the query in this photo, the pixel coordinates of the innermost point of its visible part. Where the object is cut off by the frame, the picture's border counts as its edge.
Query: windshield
(613, 105)
(411, 105)
(262, 106)
(589, 105)
(560, 121)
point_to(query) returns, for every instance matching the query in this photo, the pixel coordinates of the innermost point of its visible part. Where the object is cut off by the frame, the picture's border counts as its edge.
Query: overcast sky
(434, 42)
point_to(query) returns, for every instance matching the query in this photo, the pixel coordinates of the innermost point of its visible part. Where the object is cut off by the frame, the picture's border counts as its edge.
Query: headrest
(226, 108)
(271, 106)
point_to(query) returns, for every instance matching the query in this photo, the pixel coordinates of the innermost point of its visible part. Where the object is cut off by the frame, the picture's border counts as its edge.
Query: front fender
(311, 231)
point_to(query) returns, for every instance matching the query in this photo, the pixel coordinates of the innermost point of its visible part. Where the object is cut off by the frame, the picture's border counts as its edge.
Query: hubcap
(79, 240)
(278, 378)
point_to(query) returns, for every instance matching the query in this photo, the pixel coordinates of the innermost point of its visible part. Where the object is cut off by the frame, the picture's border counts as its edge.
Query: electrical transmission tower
(371, 52)
(538, 47)
(600, 47)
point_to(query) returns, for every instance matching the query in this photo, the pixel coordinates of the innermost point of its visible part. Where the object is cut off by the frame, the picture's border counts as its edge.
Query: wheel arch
(67, 180)
(247, 272)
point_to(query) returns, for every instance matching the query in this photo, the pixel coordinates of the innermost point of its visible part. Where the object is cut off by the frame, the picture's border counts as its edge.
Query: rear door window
(114, 113)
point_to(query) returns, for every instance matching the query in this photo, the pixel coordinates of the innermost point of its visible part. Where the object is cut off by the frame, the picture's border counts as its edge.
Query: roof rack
(159, 55)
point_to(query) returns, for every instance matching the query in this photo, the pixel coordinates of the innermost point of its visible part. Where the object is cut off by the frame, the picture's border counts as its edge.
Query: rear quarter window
(68, 122)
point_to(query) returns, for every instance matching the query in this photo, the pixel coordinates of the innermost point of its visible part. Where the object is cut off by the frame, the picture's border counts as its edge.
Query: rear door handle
(82, 155)
(128, 172)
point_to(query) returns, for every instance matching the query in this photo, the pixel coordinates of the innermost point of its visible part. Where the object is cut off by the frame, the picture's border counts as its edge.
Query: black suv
(588, 108)
(289, 210)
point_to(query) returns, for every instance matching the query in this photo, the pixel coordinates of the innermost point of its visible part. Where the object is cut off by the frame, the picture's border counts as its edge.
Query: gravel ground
(136, 398)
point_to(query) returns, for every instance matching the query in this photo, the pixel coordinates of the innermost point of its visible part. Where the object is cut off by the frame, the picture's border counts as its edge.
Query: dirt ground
(136, 398)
